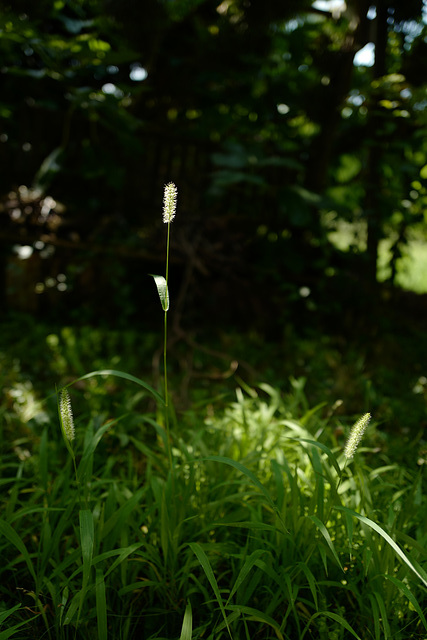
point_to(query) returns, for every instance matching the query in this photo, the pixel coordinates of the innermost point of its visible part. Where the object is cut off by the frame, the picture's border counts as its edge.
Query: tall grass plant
(241, 520)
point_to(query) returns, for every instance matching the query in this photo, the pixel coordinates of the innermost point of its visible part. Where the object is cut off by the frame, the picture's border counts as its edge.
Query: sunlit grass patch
(262, 530)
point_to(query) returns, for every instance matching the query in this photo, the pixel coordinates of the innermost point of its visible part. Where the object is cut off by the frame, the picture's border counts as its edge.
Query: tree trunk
(375, 186)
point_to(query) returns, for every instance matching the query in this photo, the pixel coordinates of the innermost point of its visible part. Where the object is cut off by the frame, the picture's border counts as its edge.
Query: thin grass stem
(168, 216)
(166, 321)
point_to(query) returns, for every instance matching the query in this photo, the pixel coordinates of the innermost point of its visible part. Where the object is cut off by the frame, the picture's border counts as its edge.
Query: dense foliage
(248, 521)
(290, 158)
(187, 499)
(259, 528)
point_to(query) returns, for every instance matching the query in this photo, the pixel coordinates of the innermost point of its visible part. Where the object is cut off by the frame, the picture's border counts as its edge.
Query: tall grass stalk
(169, 211)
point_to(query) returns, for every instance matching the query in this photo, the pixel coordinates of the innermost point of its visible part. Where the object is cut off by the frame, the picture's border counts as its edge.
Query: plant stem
(166, 315)
(164, 358)
(165, 351)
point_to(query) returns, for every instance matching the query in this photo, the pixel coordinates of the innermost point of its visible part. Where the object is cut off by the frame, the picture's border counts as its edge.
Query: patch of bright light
(366, 56)
(109, 88)
(356, 98)
(23, 251)
(283, 109)
(328, 5)
(291, 25)
(137, 73)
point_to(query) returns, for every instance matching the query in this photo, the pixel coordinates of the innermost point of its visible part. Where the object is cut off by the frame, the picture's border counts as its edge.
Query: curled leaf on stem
(162, 289)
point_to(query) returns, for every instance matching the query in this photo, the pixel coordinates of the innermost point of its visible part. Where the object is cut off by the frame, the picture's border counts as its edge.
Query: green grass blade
(280, 486)
(207, 568)
(166, 520)
(101, 605)
(247, 524)
(87, 536)
(308, 414)
(383, 614)
(187, 624)
(121, 553)
(113, 526)
(408, 593)
(222, 625)
(72, 608)
(258, 616)
(349, 524)
(387, 538)
(332, 616)
(323, 448)
(318, 497)
(6, 614)
(120, 374)
(252, 477)
(8, 633)
(244, 571)
(311, 581)
(43, 460)
(92, 439)
(325, 533)
(270, 572)
(375, 616)
(11, 535)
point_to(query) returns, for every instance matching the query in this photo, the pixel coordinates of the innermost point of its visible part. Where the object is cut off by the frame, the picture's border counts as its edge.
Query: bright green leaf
(163, 291)
(387, 538)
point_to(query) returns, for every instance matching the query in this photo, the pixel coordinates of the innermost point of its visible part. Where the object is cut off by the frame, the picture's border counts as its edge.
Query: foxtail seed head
(169, 202)
(67, 421)
(356, 434)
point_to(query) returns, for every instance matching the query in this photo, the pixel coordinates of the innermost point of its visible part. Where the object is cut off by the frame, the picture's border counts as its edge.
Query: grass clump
(241, 519)
(264, 531)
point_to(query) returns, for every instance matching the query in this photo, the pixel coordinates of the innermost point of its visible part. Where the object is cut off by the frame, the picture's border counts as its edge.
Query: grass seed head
(356, 434)
(67, 421)
(169, 202)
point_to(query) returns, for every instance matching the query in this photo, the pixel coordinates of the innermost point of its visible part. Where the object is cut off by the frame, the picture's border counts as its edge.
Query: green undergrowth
(385, 372)
(186, 500)
(260, 529)
(230, 514)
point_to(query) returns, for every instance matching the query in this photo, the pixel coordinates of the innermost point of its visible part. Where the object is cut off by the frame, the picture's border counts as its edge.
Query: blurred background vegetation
(296, 134)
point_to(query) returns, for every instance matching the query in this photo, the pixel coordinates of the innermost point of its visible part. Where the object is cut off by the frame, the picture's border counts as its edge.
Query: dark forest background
(292, 162)
(301, 170)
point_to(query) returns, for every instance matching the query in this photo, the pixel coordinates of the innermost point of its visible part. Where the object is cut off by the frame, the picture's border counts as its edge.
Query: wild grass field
(255, 525)
(246, 489)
